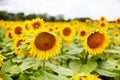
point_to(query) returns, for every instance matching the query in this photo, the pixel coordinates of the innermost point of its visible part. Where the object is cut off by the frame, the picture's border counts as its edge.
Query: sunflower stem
(44, 64)
(86, 57)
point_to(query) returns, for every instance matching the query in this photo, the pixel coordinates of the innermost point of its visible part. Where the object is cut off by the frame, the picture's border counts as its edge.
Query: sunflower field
(74, 50)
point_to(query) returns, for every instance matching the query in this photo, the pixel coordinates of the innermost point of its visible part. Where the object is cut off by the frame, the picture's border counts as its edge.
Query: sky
(93, 9)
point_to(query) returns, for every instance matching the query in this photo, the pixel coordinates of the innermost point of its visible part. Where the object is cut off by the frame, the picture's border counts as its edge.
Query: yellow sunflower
(82, 32)
(44, 45)
(1, 60)
(116, 38)
(36, 24)
(103, 18)
(16, 46)
(9, 34)
(118, 22)
(96, 42)
(67, 32)
(103, 25)
(17, 30)
(85, 77)
(88, 22)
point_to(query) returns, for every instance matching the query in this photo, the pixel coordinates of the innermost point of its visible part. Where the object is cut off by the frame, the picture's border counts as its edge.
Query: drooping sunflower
(44, 45)
(96, 42)
(82, 32)
(85, 77)
(36, 23)
(118, 22)
(67, 32)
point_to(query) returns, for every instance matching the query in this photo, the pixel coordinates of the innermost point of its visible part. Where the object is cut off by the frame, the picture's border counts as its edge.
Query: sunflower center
(10, 35)
(26, 27)
(36, 25)
(118, 21)
(44, 41)
(18, 30)
(82, 33)
(95, 40)
(19, 43)
(102, 19)
(103, 24)
(66, 31)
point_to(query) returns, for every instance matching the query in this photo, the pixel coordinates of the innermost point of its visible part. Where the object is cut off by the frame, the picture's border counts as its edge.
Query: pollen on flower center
(45, 41)
(95, 40)
(66, 31)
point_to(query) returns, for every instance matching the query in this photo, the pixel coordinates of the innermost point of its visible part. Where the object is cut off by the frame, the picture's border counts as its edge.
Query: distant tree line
(4, 15)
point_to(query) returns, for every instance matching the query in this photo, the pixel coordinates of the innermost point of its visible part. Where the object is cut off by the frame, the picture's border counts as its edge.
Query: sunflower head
(103, 18)
(17, 30)
(44, 45)
(16, 46)
(36, 24)
(67, 32)
(118, 22)
(88, 21)
(96, 42)
(103, 25)
(82, 32)
(85, 77)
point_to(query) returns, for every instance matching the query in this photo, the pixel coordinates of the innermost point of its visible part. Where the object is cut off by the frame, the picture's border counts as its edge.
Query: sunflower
(44, 45)
(16, 46)
(17, 30)
(82, 33)
(88, 21)
(103, 25)
(9, 34)
(36, 24)
(85, 77)
(67, 32)
(118, 22)
(103, 18)
(116, 38)
(1, 60)
(96, 42)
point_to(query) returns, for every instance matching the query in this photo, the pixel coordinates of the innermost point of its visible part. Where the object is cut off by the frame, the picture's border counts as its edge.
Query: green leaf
(64, 71)
(50, 76)
(73, 49)
(24, 76)
(75, 65)
(90, 66)
(107, 73)
(108, 68)
(28, 63)
(50, 65)
(14, 69)
(40, 76)
(113, 51)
